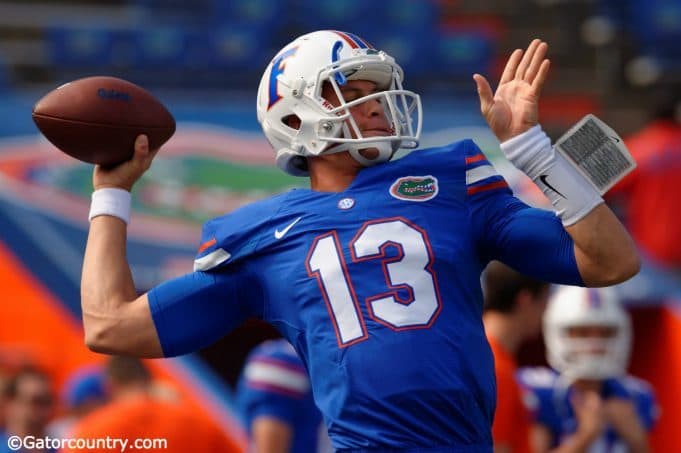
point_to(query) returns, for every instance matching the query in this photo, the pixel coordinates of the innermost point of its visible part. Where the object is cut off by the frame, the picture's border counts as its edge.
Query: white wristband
(570, 193)
(111, 202)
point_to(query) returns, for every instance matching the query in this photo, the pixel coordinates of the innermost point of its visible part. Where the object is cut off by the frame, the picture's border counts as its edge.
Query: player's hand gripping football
(124, 176)
(513, 109)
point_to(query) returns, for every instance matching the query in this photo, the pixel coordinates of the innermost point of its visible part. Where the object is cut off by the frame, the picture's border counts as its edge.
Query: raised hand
(123, 176)
(513, 109)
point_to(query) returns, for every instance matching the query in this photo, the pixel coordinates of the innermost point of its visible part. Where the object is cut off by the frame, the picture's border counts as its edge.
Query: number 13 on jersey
(410, 271)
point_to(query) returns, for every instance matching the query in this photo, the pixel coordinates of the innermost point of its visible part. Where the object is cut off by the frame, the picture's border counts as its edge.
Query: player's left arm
(605, 253)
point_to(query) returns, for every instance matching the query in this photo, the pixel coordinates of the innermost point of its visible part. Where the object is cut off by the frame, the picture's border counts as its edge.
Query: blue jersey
(548, 399)
(274, 383)
(378, 289)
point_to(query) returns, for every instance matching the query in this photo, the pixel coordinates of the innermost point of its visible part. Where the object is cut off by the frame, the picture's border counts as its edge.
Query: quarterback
(373, 273)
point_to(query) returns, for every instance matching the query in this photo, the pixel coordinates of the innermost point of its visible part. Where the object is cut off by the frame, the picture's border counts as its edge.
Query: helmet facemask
(402, 110)
(593, 357)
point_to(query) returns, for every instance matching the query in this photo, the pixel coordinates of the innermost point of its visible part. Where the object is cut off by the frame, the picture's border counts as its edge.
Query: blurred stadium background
(619, 59)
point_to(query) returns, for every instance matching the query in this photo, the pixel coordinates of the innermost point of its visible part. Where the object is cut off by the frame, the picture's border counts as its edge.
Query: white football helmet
(572, 306)
(292, 86)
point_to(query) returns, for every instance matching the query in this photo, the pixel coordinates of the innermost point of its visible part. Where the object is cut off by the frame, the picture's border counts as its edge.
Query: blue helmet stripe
(360, 42)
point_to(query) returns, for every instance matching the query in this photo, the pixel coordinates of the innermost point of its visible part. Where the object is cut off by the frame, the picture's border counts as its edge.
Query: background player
(588, 402)
(514, 306)
(373, 275)
(275, 397)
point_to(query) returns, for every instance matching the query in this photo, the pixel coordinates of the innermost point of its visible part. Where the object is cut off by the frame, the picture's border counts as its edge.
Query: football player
(587, 402)
(373, 273)
(275, 398)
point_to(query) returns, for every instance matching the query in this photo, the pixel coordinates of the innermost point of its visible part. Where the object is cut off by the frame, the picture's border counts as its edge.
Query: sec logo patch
(346, 203)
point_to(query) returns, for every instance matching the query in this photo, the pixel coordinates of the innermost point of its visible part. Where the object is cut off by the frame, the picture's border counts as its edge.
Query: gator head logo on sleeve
(414, 188)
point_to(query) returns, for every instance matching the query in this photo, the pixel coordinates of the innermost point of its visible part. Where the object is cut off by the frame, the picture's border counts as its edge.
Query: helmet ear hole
(300, 163)
(292, 121)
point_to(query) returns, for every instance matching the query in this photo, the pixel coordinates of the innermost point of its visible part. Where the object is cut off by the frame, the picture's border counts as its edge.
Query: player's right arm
(178, 316)
(115, 319)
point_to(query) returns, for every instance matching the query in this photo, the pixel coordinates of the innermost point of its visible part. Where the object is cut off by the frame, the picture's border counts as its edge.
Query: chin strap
(385, 152)
(385, 149)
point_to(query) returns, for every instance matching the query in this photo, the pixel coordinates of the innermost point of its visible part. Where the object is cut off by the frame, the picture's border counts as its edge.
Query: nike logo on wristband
(542, 178)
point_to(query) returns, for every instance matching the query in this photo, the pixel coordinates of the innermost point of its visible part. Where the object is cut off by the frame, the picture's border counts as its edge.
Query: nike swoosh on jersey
(543, 179)
(278, 234)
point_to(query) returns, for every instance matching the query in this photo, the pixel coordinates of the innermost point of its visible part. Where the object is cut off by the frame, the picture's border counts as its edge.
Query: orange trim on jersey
(485, 187)
(207, 244)
(474, 159)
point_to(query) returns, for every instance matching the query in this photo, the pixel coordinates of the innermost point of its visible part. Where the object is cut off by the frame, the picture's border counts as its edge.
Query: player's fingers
(536, 62)
(484, 92)
(542, 74)
(511, 66)
(141, 146)
(527, 58)
(143, 155)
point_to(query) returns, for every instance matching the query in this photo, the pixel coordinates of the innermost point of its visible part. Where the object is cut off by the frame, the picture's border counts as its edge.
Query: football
(96, 119)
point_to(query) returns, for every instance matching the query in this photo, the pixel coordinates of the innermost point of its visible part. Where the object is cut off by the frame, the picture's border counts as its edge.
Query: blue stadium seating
(241, 49)
(461, 52)
(407, 15)
(262, 15)
(160, 47)
(348, 15)
(657, 25)
(91, 46)
(176, 12)
(5, 80)
(365, 18)
(234, 40)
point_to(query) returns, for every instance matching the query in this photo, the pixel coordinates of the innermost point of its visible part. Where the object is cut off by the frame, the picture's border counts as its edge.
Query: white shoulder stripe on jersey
(211, 260)
(269, 374)
(477, 174)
